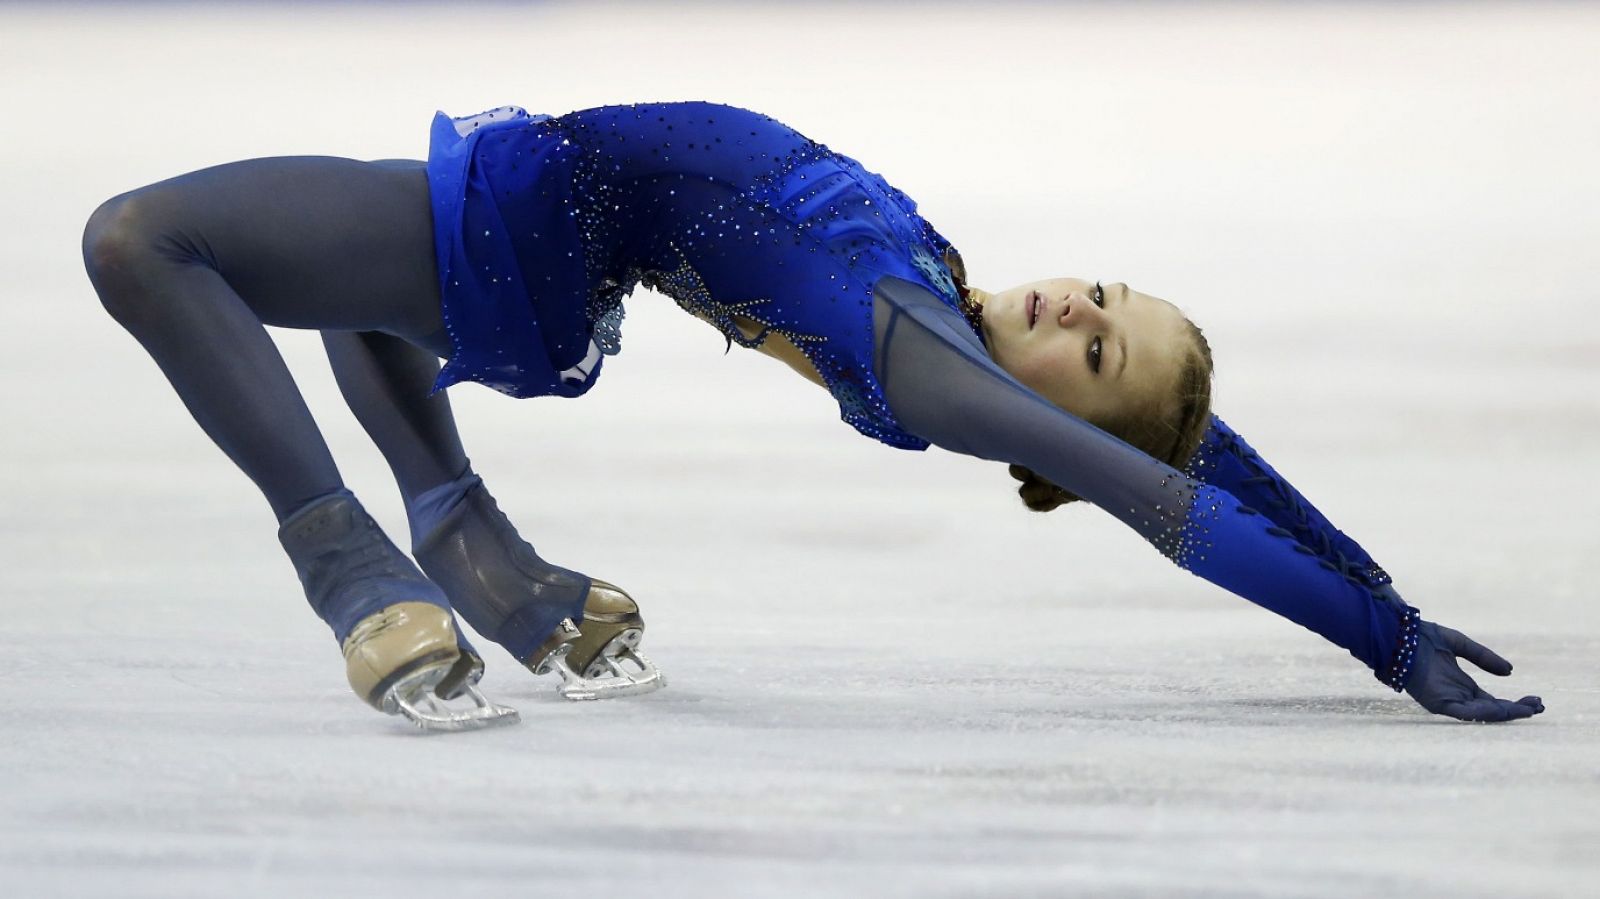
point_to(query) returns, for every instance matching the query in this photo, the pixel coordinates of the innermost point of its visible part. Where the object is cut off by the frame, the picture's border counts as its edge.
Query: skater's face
(1102, 352)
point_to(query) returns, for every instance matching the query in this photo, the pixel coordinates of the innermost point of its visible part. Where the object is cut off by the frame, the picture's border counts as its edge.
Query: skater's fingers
(1515, 710)
(1487, 709)
(1532, 702)
(1018, 473)
(1469, 710)
(1475, 652)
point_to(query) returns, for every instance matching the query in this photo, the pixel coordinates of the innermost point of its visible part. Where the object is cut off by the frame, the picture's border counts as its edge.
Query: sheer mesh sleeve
(942, 386)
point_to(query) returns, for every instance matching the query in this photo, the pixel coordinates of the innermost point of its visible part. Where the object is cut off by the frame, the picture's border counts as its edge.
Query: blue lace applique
(935, 271)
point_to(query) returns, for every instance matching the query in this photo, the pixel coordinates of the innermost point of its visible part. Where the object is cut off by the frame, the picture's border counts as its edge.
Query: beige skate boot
(601, 658)
(397, 660)
(406, 657)
(411, 644)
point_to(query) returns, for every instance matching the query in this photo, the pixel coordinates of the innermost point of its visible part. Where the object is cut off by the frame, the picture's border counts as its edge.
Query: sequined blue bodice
(548, 223)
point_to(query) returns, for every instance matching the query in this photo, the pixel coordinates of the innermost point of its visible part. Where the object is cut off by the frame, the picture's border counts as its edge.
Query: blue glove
(1439, 685)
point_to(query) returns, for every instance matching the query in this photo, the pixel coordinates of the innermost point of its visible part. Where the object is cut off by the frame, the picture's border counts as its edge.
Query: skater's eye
(1099, 295)
(1094, 355)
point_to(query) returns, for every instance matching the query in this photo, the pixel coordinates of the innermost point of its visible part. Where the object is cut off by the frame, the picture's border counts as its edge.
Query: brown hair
(1170, 434)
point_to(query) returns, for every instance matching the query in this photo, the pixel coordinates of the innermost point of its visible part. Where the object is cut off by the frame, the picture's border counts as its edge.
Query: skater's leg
(388, 382)
(492, 576)
(193, 267)
(387, 385)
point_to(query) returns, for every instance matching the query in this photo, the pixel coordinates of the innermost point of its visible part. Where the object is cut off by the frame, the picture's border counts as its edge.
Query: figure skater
(509, 253)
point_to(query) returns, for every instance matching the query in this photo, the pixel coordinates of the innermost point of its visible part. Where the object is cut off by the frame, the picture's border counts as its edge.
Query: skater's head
(1125, 361)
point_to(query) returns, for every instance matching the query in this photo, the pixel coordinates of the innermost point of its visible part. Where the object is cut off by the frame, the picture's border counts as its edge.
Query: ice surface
(1384, 217)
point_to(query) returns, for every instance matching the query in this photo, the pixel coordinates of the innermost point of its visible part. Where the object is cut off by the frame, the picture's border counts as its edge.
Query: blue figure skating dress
(544, 225)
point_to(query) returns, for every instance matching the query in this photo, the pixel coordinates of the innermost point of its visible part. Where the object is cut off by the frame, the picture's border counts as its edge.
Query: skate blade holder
(619, 670)
(413, 698)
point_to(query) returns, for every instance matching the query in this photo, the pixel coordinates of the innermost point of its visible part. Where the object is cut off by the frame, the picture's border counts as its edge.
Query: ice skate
(405, 661)
(601, 659)
(403, 655)
(550, 619)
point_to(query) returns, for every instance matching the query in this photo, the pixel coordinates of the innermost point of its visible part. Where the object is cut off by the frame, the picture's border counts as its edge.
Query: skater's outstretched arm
(942, 386)
(1224, 460)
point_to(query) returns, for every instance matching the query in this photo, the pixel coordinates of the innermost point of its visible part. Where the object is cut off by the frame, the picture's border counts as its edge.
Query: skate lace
(369, 556)
(361, 556)
(1314, 539)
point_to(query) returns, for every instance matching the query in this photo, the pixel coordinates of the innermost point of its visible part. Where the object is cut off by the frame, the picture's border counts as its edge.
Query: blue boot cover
(427, 510)
(495, 579)
(348, 567)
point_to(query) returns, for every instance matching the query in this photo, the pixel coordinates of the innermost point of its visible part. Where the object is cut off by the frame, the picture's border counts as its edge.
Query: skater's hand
(1440, 686)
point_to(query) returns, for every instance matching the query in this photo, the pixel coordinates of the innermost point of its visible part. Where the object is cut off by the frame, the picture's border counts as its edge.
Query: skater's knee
(112, 237)
(115, 240)
(127, 243)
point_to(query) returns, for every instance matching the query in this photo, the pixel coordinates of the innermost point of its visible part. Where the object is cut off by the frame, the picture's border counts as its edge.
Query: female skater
(509, 254)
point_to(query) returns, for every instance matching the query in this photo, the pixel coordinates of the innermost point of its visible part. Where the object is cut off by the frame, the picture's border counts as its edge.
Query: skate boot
(549, 618)
(403, 654)
(600, 659)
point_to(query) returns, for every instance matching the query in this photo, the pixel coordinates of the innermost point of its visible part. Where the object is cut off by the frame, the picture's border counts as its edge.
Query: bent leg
(546, 616)
(195, 266)
(388, 382)
(493, 577)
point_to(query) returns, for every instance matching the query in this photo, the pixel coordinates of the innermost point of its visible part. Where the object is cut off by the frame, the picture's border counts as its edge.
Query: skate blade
(620, 670)
(415, 700)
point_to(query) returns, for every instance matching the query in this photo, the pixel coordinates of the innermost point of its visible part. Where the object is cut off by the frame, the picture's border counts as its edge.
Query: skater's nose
(1078, 310)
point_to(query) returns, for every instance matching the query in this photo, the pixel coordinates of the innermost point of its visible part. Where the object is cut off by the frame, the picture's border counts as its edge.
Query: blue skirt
(512, 282)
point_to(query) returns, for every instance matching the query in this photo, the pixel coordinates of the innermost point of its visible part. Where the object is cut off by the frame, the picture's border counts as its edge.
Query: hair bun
(1037, 493)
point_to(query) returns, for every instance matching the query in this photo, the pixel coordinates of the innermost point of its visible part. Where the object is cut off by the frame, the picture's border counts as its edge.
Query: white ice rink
(1386, 218)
